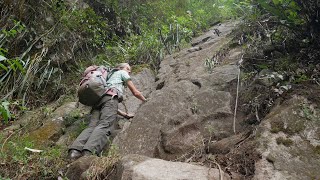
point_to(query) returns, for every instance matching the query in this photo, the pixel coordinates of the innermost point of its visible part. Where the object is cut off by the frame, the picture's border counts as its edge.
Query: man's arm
(125, 115)
(135, 91)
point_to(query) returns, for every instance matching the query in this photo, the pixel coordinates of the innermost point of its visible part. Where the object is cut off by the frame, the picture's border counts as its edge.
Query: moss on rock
(284, 141)
(316, 150)
(277, 126)
(291, 128)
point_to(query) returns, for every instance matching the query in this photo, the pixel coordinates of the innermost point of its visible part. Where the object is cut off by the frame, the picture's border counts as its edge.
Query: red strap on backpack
(112, 92)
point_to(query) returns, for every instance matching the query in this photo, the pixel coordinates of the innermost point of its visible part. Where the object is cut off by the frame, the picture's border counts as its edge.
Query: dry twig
(237, 96)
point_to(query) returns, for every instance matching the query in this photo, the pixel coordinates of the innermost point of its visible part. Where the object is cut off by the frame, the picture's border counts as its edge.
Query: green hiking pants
(101, 126)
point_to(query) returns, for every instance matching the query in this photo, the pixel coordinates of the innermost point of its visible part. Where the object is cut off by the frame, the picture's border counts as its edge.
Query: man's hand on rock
(129, 116)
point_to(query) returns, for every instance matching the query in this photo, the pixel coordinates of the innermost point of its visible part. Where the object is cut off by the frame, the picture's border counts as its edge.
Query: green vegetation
(9, 110)
(281, 35)
(17, 162)
(80, 127)
(309, 112)
(209, 64)
(4, 111)
(138, 68)
(72, 117)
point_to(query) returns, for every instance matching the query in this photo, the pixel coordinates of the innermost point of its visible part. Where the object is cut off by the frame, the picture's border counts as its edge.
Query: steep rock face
(144, 82)
(145, 127)
(289, 142)
(191, 65)
(191, 103)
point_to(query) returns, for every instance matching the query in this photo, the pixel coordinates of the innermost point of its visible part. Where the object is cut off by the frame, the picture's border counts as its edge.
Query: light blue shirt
(118, 80)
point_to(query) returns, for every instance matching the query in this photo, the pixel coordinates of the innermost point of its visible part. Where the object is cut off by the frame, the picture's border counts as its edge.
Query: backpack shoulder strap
(105, 70)
(111, 72)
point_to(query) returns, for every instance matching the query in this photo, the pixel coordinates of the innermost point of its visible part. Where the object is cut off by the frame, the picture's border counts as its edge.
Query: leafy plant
(10, 67)
(286, 10)
(4, 111)
(9, 110)
(301, 78)
(86, 22)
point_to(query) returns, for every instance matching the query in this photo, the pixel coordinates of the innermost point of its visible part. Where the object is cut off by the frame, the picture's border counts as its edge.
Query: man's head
(124, 66)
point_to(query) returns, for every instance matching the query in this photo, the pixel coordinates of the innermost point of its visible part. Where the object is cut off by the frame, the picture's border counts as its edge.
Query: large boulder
(142, 136)
(77, 169)
(135, 167)
(53, 124)
(289, 140)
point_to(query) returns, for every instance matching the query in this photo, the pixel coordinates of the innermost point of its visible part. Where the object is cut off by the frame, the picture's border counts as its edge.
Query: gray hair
(122, 65)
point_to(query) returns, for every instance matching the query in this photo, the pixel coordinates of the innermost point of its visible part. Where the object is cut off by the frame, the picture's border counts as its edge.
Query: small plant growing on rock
(277, 126)
(284, 141)
(210, 128)
(194, 109)
(5, 113)
(309, 112)
(72, 117)
(209, 64)
(79, 128)
(47, 111)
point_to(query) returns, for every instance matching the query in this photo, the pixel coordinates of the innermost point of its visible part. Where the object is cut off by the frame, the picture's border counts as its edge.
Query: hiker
(103, 115)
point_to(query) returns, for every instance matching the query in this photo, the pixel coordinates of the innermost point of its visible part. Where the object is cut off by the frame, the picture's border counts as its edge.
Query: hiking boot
(86, 153)
(74, 154)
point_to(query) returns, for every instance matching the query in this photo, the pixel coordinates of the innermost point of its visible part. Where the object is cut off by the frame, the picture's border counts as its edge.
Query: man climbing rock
(103, 115)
